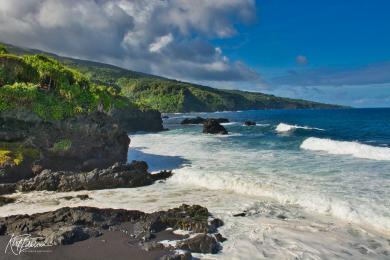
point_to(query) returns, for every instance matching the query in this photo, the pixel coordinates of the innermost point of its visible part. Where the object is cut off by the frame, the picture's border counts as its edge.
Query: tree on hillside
(3, 49)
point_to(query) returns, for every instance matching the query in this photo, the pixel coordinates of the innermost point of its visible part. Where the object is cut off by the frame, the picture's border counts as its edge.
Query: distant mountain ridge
(169, 95)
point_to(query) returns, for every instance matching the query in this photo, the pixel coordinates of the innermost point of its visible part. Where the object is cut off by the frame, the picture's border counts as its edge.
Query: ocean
(301, 184)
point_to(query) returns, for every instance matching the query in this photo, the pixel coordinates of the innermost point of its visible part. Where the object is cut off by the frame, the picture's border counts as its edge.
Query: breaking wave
(355, 149)
(283, 128)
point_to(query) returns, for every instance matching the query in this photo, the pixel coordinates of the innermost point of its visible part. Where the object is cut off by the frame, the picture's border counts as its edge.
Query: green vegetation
(15, 153)
(62, 145)
(175, 96)
(146, 91)
(53, 91)
(3, 49)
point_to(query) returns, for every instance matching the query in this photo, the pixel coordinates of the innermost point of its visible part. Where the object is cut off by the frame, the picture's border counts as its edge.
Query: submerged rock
(249, 123)
(130, 175)
(211, 126)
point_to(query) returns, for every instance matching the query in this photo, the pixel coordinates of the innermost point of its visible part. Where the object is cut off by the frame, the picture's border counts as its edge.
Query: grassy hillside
(174, 96)
(49, 89)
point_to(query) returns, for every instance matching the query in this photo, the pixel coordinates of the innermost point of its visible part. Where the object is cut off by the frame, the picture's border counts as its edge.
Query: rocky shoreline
(146, 235)
(89, 152)
(130, 175)
(61, 132)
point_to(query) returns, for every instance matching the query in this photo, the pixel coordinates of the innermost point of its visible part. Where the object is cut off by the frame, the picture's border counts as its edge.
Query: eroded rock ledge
(130, 175)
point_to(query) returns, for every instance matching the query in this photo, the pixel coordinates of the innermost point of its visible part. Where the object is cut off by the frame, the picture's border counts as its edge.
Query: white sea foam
(245, 185)
(229, 178)
(355, 149)
(230, 123)
(283, 128)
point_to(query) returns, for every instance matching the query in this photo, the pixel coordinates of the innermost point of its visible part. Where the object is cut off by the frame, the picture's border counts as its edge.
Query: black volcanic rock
(81, 143)
(117, 176)
(196, 120)
(66, 226)
(211, 126)
(201, 243)
(201, 120)
(249, 123)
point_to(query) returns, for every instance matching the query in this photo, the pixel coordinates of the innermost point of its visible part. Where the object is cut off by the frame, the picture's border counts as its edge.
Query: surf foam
(283, 128)
(355, 149)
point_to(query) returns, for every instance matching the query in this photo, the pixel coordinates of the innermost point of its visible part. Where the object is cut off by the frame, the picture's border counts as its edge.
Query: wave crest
(283, 128)
(355, 149)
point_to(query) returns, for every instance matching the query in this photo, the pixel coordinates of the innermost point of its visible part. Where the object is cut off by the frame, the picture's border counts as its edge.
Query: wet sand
(111, 245)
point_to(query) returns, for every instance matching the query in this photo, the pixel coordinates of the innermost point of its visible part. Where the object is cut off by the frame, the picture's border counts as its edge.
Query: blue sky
(333, 36)
(330, 33)
(334, 51)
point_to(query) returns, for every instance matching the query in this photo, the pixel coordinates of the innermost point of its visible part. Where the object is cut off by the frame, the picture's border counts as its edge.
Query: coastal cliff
(53, 117)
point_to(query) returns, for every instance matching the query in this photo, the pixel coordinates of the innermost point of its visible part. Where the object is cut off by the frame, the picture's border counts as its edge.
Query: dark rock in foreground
(201, 120)
(249, 123)
(130, 175)
(211, 126)
(66, 226)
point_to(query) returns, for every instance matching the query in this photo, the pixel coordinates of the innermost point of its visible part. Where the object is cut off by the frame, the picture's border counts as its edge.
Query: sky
(334, 51)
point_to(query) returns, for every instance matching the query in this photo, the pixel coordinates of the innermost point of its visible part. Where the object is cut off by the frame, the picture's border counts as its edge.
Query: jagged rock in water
(211, 126)
(249, 123)
(201, 243)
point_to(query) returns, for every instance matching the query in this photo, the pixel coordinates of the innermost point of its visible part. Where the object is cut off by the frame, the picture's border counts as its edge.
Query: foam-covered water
(307, 193)
(347, 148)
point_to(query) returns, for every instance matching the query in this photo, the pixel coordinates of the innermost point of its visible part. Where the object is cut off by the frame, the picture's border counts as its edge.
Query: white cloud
(160, 43)
(168, 38)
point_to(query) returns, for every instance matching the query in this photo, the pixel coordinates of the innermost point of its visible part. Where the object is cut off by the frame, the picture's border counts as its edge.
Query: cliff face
(28, 145)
